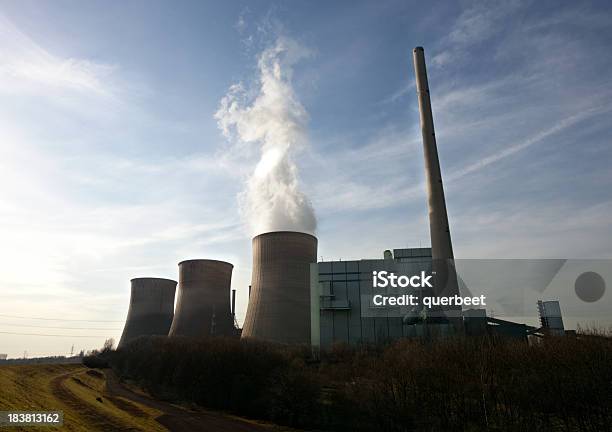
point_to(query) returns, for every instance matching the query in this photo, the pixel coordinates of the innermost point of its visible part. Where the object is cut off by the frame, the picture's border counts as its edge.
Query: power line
(56, 319)
(57, 327)
(52, 335)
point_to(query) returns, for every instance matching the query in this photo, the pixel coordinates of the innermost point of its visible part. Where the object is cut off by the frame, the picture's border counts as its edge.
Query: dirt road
(92, 400)
(86, 411)
(179, 419)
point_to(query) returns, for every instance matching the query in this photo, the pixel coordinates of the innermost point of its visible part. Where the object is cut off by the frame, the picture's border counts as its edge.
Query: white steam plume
(274, 119)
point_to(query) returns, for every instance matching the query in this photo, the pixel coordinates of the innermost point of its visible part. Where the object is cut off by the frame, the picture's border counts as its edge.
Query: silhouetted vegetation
(100, 359)
(561, 384)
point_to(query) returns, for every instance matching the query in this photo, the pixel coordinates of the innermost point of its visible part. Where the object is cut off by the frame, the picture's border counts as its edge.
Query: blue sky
(112, 164)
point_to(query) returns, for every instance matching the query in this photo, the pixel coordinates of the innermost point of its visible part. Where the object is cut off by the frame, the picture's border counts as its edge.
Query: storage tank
(151, 308)
(203, 304)
(279, 304)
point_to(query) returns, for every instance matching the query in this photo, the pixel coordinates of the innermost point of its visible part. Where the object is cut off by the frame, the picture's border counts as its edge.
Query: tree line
(462, 384)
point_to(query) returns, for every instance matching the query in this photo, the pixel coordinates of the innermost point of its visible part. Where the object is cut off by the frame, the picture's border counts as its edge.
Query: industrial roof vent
(279, 304)
(203, 305)
(151, 308)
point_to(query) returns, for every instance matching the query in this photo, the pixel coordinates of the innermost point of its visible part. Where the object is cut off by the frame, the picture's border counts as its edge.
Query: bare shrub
(562, 384)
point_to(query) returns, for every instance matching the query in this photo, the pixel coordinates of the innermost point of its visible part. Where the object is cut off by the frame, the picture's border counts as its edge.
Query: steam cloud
(272, 117)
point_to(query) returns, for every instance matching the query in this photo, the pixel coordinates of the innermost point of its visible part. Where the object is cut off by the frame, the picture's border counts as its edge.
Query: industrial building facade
(342, 311)
(338, 290)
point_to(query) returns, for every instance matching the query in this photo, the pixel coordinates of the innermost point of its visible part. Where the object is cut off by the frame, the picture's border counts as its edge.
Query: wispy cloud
(475, 25)
(26, 66)
(399, 93)
(536, 138)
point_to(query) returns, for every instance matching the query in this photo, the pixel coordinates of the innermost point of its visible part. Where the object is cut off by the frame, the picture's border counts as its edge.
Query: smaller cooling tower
(203, 305)
(151, 308)
(279, 304)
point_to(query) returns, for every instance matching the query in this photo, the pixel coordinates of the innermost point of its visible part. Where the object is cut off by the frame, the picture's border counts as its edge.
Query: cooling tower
(203, 305)
(279, 304)
(151, 308)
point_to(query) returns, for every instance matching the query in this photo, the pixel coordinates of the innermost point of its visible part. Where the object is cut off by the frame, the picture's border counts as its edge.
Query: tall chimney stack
(443, 266)
(441, 246)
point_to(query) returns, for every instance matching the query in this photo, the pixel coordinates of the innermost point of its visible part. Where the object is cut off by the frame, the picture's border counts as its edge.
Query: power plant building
(203, 304)
(151, 308)
(342, 290)
(550, 317)
(342, 311)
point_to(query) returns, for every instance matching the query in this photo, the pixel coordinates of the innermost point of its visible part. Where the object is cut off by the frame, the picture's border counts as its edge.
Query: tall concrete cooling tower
(279, 304)
(445, 280)
(151, 308)
(203, 305)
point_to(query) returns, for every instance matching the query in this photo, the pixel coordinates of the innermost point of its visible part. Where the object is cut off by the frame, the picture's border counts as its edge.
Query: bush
(95, 361)
(454, 384)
